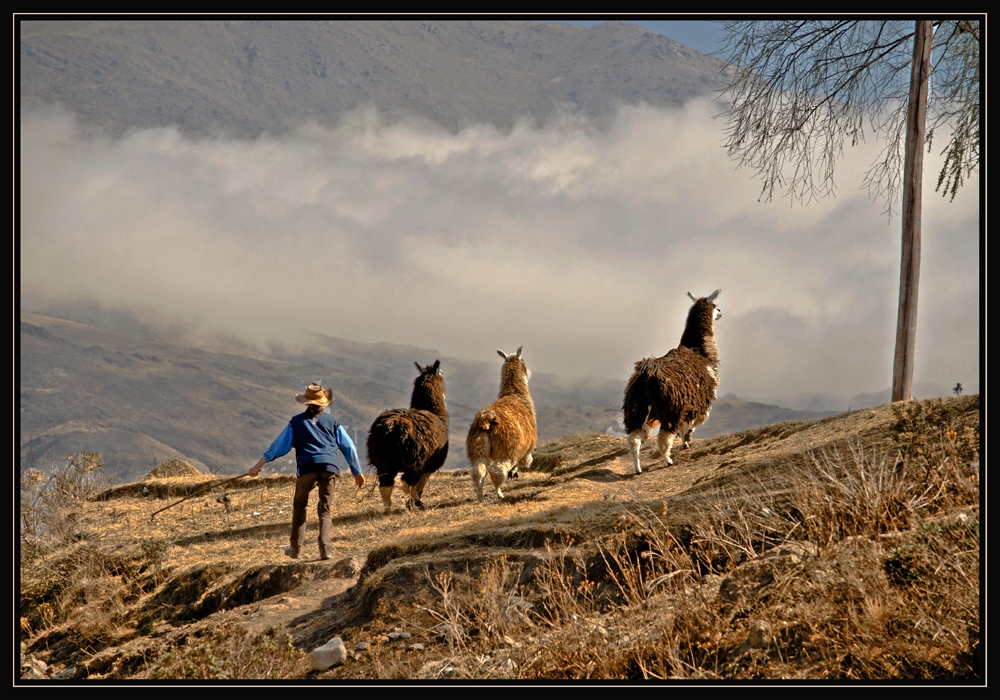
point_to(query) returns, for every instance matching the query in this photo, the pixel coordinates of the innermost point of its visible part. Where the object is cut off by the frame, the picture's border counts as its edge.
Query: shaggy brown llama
(411, 441)
(503, 435)
(675, 391)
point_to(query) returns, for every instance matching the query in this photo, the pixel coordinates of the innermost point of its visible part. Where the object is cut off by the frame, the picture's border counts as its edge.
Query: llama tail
(479, 437)
(485, 420)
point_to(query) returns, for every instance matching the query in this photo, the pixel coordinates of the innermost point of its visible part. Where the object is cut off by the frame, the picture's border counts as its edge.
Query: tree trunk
(909, 274)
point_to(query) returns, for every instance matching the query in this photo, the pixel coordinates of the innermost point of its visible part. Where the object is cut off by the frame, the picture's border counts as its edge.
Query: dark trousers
(326, 481)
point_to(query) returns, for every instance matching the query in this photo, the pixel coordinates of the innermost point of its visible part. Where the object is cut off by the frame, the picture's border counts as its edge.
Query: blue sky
(698, 34)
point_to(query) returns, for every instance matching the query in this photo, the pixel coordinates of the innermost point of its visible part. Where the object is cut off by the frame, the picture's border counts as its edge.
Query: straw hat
(315, 394)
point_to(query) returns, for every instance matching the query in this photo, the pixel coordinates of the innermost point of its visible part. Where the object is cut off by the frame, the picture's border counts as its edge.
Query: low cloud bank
(577, 243)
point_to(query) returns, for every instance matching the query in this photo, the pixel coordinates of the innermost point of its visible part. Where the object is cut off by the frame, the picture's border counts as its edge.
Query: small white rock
(330, 654)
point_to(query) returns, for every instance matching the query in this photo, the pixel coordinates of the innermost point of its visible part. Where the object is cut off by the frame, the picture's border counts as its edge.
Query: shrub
(230, 652)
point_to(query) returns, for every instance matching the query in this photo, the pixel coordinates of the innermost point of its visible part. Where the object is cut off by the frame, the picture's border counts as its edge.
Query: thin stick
(199, 491)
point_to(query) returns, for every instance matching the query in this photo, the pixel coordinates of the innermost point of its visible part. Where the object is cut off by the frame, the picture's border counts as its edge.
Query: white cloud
(579, 244)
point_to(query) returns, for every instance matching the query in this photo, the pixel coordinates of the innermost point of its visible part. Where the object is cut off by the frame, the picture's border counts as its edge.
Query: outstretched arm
(255, 469)
(278, 448)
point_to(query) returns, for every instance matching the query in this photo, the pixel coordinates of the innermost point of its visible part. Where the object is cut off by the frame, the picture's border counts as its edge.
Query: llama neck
(512, 383)
(699, 334)
(703, 345)
(710, 350)
(433, 401)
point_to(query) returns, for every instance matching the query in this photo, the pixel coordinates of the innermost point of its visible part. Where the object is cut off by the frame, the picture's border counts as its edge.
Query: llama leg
(410, 489)
(478, 473)
(687, 438)
(386, 493)
(665, 441)
(498, 475)
(385, 482)
(694, 424)
(418, 490)
(634, 444)
(525, 464)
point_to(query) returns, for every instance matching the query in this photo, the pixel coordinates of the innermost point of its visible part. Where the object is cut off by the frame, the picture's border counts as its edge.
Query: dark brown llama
(411, 441)
(675, 391)
(503, 435)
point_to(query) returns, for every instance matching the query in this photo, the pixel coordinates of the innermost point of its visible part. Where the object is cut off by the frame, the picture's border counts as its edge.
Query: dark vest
(315, 442)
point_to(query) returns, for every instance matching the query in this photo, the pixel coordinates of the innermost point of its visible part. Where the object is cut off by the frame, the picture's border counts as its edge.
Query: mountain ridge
(252, 77)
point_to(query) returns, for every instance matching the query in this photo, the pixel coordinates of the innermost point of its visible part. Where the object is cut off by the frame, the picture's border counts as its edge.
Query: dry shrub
(737, 526)
(864, 564)
(571, 630)
(893, 594)
(50, 507)
(84, 594)
(863, 494)
(573, 634)
(172, 468)
(869, 493)
(66, 582)
(934, 580)
(645, 558)
(480, 618)
(230, 652)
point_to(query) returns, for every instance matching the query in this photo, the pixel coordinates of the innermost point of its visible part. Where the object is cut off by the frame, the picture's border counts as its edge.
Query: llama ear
(437, 366)
(711, 297)
(519, 352)
(419, 368)
(692, 296)
(502, 354)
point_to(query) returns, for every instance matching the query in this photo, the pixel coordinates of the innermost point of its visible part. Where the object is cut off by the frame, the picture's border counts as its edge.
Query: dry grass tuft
(228, 651)
(172, 467)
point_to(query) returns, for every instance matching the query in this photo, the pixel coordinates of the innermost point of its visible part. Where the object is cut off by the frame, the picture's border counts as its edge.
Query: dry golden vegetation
(839, 548)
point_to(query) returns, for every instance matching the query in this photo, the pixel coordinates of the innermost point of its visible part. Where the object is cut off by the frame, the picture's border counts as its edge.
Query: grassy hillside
(844, 547)
(140, 397)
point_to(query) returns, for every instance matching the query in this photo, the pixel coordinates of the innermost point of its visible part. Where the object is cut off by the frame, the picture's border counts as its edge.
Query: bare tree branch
(804, 88)
(801, 89)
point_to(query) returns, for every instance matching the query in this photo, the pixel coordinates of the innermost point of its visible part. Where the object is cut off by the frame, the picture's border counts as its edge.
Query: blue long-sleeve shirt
(316, 440)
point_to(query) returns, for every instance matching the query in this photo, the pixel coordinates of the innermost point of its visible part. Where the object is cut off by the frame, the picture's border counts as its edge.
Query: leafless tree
(802, 89)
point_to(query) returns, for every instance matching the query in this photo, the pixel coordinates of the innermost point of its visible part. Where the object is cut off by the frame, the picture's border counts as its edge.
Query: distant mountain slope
(139, 398)
(248, 77)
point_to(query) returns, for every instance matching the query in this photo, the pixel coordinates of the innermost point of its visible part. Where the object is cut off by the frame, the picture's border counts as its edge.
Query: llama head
(709, 302)
(428, 388)
(699, 330)
(429, 369)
